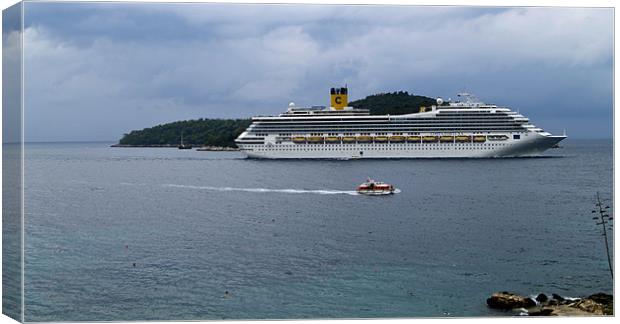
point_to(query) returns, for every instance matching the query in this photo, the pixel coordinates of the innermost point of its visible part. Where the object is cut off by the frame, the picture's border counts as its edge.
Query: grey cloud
(110, 72)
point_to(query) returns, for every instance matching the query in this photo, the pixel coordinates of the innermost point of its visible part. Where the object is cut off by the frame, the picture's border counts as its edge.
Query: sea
(122, 234)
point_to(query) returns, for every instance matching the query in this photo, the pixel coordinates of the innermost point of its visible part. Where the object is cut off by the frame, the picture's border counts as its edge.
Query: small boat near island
(184, 146)
(375, 188)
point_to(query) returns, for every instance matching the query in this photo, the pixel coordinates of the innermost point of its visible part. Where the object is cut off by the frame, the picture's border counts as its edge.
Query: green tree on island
(222, 132)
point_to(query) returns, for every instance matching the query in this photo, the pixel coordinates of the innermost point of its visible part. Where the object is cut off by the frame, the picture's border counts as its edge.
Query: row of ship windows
(393, 123)
(345, 134)
(285, 135)
(472, 113)
(395, 117)
(370, 149)
(395, 146)
(390, 120)
(350, 132)
(376, 126)
(354, 118)
(383, 124)
(393, 120)
(401, 130)
(387, 122)
(377, 134)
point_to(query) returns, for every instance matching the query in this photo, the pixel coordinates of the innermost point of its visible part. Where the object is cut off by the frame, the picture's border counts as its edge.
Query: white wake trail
(291, 191)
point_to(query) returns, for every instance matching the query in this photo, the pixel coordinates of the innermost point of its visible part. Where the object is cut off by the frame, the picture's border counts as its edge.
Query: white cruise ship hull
(529, 145)
(469, 129)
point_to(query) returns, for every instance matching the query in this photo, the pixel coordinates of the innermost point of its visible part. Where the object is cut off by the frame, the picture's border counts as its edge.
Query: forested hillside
(222, 132)
(212, 132)
(393, 103)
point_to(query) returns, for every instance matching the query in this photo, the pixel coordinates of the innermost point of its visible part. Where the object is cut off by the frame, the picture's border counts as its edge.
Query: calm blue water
(288, 239)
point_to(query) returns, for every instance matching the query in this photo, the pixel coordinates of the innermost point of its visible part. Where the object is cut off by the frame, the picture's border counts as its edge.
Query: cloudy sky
(97, 70)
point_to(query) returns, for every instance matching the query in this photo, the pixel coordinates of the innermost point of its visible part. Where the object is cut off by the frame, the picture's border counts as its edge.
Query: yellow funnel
(339, 98)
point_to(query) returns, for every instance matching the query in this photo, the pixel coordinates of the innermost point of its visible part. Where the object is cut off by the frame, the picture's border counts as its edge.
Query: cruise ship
(465, 128)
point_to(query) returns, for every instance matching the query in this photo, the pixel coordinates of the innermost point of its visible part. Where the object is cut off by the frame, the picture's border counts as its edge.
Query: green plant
(604, 220)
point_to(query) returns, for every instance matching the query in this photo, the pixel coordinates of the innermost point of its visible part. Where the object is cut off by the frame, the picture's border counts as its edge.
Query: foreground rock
(597, 304)
(606, 300)
(541, 298)
(506, 300)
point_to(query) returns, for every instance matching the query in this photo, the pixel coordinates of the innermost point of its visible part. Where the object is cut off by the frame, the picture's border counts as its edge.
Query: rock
(541, 298)
(507, 300)
(529, 302)
(557, 297)
(565, 310)
(606, 300)
(589, 306)
(598, 304)
(521, 311)
(542, 312)
(602, 298)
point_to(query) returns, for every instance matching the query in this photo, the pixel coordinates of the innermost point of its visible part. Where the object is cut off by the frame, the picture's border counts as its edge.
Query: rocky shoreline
(556, 305)
(199, 147)
(217, 148)
(149, 145)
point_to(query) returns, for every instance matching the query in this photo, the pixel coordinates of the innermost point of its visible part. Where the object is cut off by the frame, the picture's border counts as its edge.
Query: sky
(94, 71)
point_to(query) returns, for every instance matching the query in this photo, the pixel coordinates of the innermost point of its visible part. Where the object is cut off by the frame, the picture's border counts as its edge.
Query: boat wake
(267, 190)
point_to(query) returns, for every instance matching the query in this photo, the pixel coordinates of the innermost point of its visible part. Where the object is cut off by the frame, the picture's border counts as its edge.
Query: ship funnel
(339, 98)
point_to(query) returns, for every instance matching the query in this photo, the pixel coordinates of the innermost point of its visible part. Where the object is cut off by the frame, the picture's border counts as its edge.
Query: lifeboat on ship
(413, 138)
(397, 138)
(429, 139)
(299, 139)
(349, 139)
(375, 188)
(480, 138)
(463, 138)
(364, 139)
(315, 139)
(497, 137)
(445, 139)
(332, 139)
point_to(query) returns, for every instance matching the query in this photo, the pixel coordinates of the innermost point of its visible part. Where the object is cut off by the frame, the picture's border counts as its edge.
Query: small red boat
(372, 187)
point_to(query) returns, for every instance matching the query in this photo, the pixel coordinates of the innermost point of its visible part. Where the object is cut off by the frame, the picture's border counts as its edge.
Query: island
(220, 134)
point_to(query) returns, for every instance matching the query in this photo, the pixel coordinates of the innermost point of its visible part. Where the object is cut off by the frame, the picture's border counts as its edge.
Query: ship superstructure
(460, 129)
